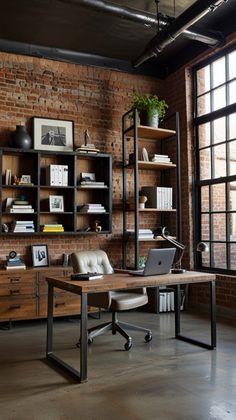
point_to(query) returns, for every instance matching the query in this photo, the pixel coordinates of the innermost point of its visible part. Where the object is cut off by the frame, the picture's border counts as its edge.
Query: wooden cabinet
(35, 198)
(23, 294)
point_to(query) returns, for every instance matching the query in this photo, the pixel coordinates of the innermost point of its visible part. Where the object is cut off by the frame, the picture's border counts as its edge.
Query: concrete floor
(163, 379)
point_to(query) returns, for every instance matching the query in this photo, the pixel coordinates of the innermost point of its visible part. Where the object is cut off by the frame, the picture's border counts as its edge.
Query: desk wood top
(125, 281)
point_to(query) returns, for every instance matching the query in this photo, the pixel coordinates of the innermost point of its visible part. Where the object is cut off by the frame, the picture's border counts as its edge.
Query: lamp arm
(177, 244)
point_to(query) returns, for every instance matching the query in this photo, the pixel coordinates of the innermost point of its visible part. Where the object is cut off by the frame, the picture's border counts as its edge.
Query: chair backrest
(91, 262)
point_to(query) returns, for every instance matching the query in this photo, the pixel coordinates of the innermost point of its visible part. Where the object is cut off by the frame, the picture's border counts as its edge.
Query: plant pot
(20, 138)
(149, 119)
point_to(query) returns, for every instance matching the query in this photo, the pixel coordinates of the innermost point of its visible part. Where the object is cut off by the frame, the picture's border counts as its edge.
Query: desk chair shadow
(97, 261)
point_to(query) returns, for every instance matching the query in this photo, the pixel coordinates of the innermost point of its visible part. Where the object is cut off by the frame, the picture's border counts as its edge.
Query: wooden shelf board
(151, 133)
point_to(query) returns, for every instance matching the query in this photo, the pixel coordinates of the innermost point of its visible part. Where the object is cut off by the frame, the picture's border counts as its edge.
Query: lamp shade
(202, 247)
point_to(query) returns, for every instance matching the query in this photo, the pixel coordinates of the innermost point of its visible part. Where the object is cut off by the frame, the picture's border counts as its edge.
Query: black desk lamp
(162, 231)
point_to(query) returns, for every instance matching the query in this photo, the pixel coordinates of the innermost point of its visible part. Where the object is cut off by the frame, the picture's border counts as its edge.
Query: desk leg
(210, 346)
(50, 321)
(84, 339)
(78, 376)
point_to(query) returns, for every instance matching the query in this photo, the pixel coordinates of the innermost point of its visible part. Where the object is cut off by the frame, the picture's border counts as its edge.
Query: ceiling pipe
(145, 18)
(165, 37)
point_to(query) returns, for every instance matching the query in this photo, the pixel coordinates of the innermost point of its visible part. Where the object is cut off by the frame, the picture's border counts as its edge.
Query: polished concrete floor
(160, 380)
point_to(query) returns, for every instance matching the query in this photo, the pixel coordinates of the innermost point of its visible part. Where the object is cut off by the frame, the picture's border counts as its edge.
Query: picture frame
(25, 179)
(53, 135)
(56, 203)
(40, 256)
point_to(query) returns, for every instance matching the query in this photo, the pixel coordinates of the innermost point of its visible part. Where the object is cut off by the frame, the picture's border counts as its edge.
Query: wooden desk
(125, 282)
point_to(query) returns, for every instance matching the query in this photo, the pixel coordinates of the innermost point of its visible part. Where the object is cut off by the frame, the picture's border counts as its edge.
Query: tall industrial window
(215, 186)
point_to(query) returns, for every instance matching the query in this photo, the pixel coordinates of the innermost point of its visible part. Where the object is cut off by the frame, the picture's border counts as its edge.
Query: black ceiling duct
(148, 19)
(166, 36)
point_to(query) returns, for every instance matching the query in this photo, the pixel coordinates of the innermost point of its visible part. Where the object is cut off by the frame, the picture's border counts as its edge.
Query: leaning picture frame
(40, 256)
(53, 135)
(56, 203)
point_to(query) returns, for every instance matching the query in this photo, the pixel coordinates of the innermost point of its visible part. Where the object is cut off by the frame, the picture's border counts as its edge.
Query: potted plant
(150, 108)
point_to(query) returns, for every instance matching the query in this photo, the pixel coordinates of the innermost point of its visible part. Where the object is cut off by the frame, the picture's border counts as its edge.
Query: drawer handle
(15, 279)
(14, 292)
(14, 306)
(59, 304)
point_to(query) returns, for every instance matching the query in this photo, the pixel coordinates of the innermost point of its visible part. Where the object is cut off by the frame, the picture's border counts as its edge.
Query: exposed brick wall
(93, 98)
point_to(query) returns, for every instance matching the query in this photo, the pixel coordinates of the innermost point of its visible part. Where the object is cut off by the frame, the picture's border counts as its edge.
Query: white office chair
(98, 262)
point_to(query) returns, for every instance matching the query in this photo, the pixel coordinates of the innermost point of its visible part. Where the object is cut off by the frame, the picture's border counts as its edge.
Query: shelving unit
(34, 163)
(133, 138)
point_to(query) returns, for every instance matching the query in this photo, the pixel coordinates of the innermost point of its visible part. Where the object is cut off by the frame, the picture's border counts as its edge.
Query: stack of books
(21, 208)
(92, 184)
(15, 263)
(161, 159)
(54, 227)
(142, 233)
(92, 208)
(23, 226)
(87, 148)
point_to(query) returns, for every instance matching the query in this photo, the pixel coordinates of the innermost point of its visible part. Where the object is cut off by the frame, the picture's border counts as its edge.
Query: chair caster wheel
(78, 344)
(128, 345)
(148, 337)
(90, 340)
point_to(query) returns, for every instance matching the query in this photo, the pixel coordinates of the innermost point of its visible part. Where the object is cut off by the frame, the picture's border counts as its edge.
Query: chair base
(116, 326)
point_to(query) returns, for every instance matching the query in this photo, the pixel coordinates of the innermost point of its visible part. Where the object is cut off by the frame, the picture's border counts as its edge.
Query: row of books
(87, 148)
(52, 227)
(167, 299)
(160, 158)
(25, 226)
(158, 197)
(92, 208)
(57, 175)
(92, 184)
(142, 233)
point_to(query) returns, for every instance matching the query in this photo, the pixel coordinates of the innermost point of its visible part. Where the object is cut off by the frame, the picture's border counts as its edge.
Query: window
(215, 184)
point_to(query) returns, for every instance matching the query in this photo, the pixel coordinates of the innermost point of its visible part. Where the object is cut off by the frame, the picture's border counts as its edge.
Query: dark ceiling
(71, 31)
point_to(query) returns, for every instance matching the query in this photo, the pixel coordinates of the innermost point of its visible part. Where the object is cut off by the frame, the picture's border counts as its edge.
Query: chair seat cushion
(122, 301)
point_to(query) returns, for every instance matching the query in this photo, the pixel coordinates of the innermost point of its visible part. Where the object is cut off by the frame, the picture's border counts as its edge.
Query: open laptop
(159, 261)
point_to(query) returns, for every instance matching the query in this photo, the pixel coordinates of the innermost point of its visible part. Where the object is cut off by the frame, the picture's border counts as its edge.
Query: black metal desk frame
(82, 376)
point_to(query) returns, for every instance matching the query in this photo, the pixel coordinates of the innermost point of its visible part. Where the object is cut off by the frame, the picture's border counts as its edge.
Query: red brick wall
(93, 98)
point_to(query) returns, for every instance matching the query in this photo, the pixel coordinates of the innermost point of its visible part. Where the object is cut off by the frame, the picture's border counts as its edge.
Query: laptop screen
(159, 261)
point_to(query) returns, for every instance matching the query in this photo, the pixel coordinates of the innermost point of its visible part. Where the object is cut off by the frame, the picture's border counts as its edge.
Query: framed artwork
(53, 135)
(56, 203)
(40, 255)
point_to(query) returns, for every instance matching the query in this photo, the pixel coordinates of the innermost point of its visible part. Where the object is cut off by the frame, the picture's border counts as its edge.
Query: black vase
(149, 119)
(20, 138)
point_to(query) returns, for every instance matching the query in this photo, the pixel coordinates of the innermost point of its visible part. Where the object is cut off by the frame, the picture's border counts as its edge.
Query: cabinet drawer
(15, 289)
(17, 278)
(64, 304)
(17, 308)
(43, 284)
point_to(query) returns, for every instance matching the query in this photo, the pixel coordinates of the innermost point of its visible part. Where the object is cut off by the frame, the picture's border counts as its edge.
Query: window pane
(219, 226)
(205, 198)
(218, 68)
(219, 130)
(232, 126)
(205, 167)
(232, 196)
(218, 197)
(205, 227)
(233, 256)
(219, 98)
(232, 65)
(204, 135)
(232, 157)
(219, 252)
(203, 80)
(219, 161)
(203, 105)
(232, 226)
(232, 92)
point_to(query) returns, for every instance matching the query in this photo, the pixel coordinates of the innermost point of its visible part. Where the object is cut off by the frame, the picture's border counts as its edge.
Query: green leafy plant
(149, 104)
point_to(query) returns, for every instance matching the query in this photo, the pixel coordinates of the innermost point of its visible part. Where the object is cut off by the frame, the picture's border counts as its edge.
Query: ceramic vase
(21, 139)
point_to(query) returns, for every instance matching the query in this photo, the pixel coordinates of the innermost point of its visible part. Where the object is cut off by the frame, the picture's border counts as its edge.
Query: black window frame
(198, 183)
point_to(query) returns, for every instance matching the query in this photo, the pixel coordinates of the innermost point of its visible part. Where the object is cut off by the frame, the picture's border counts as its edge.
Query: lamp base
(177, 270)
